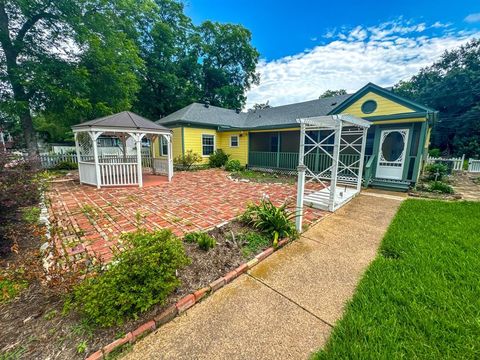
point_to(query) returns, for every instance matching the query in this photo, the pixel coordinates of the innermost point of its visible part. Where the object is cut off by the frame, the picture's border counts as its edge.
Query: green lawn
(420, 298)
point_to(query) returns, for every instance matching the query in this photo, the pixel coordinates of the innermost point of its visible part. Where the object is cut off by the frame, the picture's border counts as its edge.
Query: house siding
(236, 153)
(193, 140)
(176, 143)
(384, 106)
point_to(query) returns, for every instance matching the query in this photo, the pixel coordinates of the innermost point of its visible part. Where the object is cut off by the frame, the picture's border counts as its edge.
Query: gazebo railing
(118, 174)
(87, 172)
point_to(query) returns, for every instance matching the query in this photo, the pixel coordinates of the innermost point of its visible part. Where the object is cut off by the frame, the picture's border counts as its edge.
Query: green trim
(406, 164)
(278, 149)
(183, 142)
(370, 87)
(400, 116)
(420, 152)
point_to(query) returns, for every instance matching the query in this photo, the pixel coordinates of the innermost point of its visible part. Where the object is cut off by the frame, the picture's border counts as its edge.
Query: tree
(228, 64)
(259, 106)
(451, 86)
(330, 93)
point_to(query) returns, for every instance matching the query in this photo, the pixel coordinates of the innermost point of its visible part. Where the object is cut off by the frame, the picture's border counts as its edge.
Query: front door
(392, 154)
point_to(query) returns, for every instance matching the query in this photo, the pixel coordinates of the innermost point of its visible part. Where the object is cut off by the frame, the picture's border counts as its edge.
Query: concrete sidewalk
(286, 306)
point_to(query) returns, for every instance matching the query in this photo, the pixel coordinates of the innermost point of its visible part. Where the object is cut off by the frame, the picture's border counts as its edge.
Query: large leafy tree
(451, 86)
(330, 93)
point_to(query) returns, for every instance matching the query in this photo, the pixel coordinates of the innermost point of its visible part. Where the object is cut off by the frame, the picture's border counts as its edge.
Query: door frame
(409, 131)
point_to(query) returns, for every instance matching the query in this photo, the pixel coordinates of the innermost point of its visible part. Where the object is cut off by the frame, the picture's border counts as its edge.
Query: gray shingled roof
(275, 116)
(123, 120)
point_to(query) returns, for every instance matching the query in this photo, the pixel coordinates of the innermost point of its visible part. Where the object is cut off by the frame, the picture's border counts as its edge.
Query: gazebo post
(362, 159)
(336, 154)
(138, 138)
(170, 157)
(94, 136)
(77, 150)
(301, 179)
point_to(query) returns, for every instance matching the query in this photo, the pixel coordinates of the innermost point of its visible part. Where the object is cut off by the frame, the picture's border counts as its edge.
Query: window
(369, 106)
(234, 141)
(208, 144)
(163, 146)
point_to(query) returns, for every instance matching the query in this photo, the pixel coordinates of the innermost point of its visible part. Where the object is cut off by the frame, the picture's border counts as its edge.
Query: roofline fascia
(121, 130)
(382, 92)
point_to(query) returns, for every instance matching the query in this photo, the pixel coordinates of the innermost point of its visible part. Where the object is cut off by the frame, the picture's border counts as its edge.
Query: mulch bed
(33, 325)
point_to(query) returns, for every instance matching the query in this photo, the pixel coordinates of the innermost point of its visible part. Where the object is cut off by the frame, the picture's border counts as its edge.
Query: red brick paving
(91, 221)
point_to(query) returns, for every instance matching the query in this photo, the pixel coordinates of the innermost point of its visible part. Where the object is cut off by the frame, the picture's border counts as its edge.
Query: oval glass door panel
(392, 147)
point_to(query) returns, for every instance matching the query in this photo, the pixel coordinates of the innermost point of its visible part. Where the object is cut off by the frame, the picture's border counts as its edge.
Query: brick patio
(90, 221)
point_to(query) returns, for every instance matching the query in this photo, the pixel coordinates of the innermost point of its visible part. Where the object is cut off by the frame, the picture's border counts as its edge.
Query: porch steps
(395, 185)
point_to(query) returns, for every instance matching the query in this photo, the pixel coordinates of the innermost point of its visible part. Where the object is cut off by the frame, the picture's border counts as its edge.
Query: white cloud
(383, 54)
(472, 18)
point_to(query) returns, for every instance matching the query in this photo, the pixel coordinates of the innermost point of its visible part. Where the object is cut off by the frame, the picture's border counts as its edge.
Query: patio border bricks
(184, 303)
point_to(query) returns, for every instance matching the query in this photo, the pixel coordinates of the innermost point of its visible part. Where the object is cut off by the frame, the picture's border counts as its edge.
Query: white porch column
(94, 136)
(362, 159)
(336, 155)
(138, 140)
(301, 179)
(170, 157)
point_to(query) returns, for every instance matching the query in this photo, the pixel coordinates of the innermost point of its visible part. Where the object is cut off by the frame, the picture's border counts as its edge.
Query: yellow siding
(236, 153)
(176, 143)
(384, 106)
(193, 140)
(399, 121)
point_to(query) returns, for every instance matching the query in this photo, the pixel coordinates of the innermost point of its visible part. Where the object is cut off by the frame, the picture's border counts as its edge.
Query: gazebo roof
(123, 121)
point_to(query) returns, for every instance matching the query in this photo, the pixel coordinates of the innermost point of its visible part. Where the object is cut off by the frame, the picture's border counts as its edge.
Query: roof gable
(388, 103)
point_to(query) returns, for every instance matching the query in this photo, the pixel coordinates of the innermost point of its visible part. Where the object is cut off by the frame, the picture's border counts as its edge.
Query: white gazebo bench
(122, 169)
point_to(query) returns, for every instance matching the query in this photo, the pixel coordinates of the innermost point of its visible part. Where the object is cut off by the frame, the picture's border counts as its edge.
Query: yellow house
(269, 138)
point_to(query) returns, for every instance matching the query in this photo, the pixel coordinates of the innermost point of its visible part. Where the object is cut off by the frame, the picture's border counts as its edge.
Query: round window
(392, 146)
(369, 106)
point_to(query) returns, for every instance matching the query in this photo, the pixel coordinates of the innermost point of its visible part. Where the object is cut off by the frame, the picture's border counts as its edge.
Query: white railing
(474, 166)
(457, 163)
(87, 172)
(160, 166)
(112, 174)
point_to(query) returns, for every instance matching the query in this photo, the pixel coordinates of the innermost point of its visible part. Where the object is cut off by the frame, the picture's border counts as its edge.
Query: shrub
(233, 165)
(273, 221)
(188, 160)
(203, 240)
(434, 153)
(440, 187)
(436, 171)
(139, 277)
(218, 158)
(65, 165)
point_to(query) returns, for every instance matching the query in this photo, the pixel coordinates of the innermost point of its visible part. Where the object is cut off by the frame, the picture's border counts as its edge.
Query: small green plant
(31, 214)
(142, 275)
(81, 347)
(233, 165)
(50, 314)
(203, 240)
(436, 171)
(273, 221)
(10, 288)
(440, 187)
(218, 158)
(435, 153)
(65, 165)
(254, 243)
(188, 160)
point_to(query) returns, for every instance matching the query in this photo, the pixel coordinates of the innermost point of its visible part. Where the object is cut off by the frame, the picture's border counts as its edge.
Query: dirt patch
(33, 325)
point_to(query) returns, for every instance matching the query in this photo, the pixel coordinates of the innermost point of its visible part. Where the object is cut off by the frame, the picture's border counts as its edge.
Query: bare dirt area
(468, 185)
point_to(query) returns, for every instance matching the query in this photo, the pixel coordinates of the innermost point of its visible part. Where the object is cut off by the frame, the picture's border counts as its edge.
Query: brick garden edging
(183, 304)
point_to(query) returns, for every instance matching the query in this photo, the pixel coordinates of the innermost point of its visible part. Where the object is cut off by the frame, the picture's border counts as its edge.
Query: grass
(10, 288)
(254, 243)
(420, 298)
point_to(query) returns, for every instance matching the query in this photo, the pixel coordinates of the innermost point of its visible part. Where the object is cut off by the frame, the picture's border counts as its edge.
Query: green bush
(440, 187)
(233, 165)
(273, 221)
(65, 165)
(218, 158)
(203, 240)
(188, 160)
(434, 153)
(139, 277)
(436, 171)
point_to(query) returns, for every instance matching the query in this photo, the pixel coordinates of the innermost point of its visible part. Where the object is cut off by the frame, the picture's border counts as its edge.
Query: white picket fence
(457, 163)
(474, 166)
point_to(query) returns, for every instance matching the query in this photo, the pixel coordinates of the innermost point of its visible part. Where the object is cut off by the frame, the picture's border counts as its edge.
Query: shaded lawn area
(420, 298)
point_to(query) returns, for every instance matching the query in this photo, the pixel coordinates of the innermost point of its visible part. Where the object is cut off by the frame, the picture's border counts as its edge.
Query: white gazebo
(343, 139)
(123, 169)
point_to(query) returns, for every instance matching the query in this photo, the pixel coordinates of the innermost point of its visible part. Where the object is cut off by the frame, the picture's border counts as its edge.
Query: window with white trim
(163, 146)
(234, 141)
(208, 144)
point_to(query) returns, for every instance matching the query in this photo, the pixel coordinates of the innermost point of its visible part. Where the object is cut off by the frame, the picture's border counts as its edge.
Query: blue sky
(309, 46)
